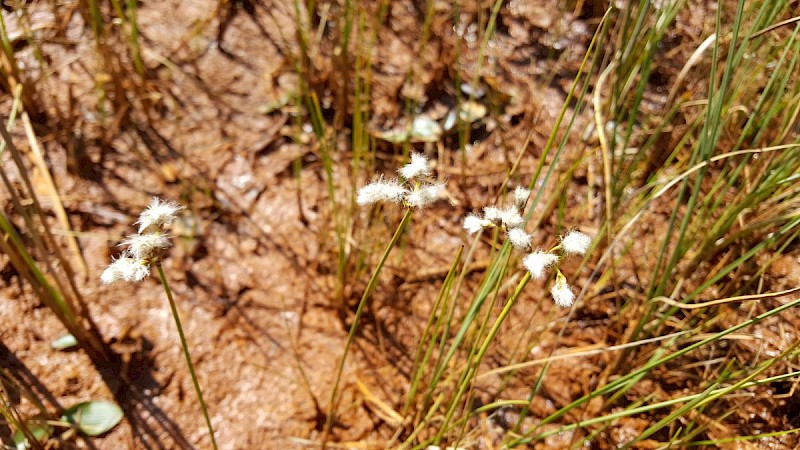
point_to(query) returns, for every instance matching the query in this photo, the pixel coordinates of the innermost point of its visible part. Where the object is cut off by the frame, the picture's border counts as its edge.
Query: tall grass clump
(725, 177)
(452, 354)
(33, 249)
(120, 84)
(711, 164)
(28, 240)
(357, 26)
(117, 74)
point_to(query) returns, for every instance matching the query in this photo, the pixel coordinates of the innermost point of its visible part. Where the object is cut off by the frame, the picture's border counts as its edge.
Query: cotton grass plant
(688, 227)
(145, 250)
(439, 409)
(456, 342)
(476, 337)
(413, 191)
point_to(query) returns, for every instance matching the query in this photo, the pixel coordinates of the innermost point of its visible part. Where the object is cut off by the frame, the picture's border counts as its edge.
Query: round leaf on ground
(95, 417)
(64, 342)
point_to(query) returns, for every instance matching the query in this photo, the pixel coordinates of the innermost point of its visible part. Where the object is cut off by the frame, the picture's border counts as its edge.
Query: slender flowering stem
(478, 357)
(432, 328)
(185, 348)
(354, 326)
(650, 365)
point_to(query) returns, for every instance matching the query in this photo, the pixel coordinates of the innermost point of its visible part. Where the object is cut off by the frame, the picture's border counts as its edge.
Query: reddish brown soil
(253, 268)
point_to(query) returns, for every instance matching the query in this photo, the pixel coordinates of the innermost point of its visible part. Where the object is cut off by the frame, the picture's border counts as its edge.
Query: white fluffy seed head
(418, 167)
(521, 195)
(125, 268)
(562, 293)
(424, 195)
(109, 276)
(576, 242)
(148, 246)
(114, 271)
(519, 238)
(474, 224)
(137, 271)
(537, 262)
(157, 215)
(511, 218)
(381, 191)
(492, 214)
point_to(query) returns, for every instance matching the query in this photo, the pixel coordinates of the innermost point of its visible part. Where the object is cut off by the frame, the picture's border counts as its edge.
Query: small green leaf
(95, 417)
(64, 342)
(39, 429)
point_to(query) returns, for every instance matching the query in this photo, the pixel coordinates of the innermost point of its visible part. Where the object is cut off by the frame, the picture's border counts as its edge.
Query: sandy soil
(253, 268)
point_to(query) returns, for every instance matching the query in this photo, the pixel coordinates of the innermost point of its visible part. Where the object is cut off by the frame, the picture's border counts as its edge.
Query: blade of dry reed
(50, 186)
(380, 408)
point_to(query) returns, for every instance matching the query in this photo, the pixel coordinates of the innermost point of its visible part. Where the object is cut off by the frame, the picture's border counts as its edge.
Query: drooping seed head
(492, 214)
(125, 268)
(114, 270)
(149, 246)
(511, 218)
(137, 271)
(562, 293)
(521, 195)
(424, 195)
(473, 223)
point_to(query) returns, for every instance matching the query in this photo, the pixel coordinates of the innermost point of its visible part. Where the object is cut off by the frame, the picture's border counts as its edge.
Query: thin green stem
(714, 393)
(427, 342)
(354, 326)
(476, 360)
(185, 349)
(651, 365)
